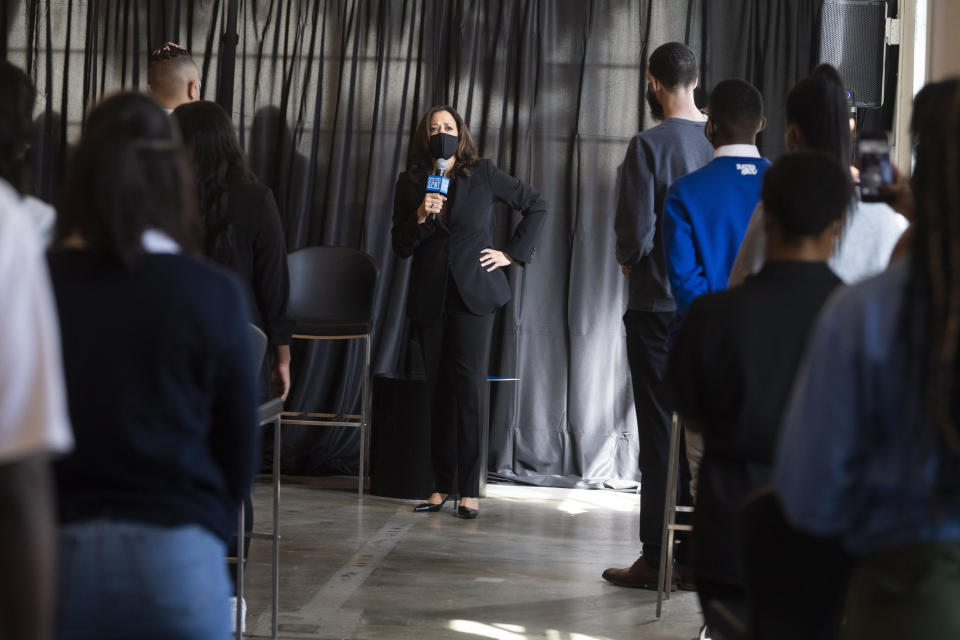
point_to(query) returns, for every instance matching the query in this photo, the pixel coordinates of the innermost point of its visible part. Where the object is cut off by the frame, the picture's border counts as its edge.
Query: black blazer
(453, 243)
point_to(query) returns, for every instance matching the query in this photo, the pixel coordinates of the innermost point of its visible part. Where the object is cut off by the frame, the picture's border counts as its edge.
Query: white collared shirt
(155, 241)
(737, 150)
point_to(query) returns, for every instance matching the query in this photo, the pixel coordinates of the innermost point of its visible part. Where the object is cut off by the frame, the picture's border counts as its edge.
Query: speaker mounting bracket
(893, 31)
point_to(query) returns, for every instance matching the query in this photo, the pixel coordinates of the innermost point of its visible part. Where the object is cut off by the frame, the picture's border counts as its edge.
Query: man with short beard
(655, 158)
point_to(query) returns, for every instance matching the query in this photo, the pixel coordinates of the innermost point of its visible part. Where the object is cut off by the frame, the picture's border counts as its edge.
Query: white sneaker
(233, 615)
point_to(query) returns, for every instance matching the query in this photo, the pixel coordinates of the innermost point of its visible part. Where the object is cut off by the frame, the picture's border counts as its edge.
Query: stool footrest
(680, 527)
(256, 535)
(323, 423)
(681, 509)
(295, 414)
(322, 416)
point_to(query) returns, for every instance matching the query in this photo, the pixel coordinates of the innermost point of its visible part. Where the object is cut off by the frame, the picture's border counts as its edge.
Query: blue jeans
(132, 580)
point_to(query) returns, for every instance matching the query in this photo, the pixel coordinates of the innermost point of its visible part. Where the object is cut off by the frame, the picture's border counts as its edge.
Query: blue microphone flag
(438, 184)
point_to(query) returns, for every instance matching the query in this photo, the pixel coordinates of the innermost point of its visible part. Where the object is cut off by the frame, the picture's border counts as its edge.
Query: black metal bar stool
(670, 510)
(331, 298)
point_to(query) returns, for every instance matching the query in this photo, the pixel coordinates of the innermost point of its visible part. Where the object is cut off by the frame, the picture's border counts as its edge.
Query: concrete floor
(528, 567)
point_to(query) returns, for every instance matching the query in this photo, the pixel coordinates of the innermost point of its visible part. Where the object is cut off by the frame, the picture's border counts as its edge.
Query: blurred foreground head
(127, 175)
(932, 310)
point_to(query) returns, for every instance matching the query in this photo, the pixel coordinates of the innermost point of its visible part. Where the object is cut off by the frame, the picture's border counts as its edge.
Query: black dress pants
(647, 354)
(456, 352)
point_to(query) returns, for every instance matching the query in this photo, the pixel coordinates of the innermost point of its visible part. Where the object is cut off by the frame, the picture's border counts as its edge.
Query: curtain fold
(326, 95)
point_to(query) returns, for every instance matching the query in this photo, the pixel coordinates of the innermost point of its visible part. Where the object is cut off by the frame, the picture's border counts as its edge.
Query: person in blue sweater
(706, 212)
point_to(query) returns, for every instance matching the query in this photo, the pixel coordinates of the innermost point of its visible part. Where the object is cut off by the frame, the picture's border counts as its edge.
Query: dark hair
(128, 174)
(673, 64)
(218, 160)
(736, 109)
(931, 311)
(17, 96)
(817, 105)
(806, 192)
(923, 121)
(166, 64)
(419, 159)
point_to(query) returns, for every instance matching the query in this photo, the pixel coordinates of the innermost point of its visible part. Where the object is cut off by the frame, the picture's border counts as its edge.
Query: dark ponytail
(817, 105)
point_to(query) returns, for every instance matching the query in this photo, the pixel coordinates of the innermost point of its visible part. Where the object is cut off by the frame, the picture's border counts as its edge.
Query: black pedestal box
(400, 443)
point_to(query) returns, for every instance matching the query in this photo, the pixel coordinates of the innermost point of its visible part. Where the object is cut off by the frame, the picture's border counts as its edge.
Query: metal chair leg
(275, 601)
(665, 574)
(241, 538)
(364, 414)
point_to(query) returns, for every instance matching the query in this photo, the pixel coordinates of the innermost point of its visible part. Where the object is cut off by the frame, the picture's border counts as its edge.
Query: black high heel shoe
(467, 513)
(427, 507)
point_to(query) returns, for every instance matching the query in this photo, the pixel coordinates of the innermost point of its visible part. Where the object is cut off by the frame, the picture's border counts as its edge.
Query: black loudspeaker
(853, 39)
(400, 439)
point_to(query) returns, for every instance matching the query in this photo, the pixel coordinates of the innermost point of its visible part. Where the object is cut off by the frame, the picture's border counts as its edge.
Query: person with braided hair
(870, 441)
(173, 78)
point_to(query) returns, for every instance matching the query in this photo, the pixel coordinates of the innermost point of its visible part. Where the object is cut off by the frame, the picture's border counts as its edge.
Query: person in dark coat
(241, 225)
(241, 231)
(160, 383)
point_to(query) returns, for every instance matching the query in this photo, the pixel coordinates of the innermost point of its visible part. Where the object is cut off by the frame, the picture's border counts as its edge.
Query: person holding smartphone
(818, 120)
(869, 449)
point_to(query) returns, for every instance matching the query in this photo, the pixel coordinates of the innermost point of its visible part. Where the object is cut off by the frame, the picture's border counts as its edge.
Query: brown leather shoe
(640, 575)
(684, 577)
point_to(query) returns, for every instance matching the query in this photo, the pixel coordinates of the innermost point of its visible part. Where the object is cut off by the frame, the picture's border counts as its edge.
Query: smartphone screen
(876, 170)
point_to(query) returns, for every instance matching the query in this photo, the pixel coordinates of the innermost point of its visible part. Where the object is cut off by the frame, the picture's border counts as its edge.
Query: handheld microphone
(437, 183)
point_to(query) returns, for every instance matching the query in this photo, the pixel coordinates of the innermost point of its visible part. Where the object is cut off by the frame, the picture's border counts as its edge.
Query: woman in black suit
(456, 283)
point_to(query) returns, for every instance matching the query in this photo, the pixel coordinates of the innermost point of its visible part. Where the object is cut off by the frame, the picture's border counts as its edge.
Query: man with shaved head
(173, 77)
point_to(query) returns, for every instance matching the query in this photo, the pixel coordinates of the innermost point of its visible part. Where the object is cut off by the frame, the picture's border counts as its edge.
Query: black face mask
(443, 145)
(656, 109)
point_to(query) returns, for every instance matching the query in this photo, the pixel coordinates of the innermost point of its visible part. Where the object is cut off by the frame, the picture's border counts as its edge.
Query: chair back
(259, 341)
(331, 290)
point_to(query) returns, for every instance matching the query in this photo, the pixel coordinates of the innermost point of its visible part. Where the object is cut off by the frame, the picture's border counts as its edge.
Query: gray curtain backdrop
(326, 96)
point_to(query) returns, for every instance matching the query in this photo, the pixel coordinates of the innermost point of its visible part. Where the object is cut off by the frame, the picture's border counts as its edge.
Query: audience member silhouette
(33, 424)
(870, 447)
(17, 97)
(818, 120)
(162, 394)
(655, 158)
(736, 355)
